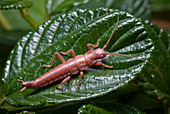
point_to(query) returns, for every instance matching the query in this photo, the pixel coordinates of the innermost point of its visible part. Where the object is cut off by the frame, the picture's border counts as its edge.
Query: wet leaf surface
(74, 30)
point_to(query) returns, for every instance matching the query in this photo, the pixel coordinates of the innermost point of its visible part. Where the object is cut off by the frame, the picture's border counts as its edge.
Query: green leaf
(108, 108)
(160, 5)
(10, 37)
(156, 81)
(74, 30)
(3, 111)
(14, 4)
(145, 103)
(90, 109)
(7, 43)
(139, 8)
(58, 6)
(16, 21)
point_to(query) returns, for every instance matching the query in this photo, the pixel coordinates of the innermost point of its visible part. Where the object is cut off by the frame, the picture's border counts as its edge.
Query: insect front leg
(59, 56)
(100, 63)
(88, 45)
(72, 52)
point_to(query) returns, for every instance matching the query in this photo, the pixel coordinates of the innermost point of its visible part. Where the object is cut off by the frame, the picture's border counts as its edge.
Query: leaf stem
(24, 13)
(4, 22)
(2, 101)
(48, 16)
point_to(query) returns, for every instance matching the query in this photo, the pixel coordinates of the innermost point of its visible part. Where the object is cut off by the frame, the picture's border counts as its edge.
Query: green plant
(65, 27)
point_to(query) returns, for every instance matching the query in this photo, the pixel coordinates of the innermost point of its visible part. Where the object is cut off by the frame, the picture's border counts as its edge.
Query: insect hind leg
(59, 56)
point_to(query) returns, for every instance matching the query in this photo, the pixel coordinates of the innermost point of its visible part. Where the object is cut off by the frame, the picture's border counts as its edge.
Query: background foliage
(148, 91)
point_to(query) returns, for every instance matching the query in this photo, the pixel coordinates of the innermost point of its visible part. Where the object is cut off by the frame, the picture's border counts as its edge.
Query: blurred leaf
(14, 4)
(160, 5)
(38, 11)
(58, 6)
(156, 81)
(10, 37)
(139, 8)
(168, 31)
(3, 111)
(74, 30)
(14, 18)
(145, 103)
(109, 108)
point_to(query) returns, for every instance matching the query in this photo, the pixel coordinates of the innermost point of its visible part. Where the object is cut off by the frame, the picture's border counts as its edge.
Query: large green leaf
(14, 4)
(109, 108)
(74, 30)
(156, 82)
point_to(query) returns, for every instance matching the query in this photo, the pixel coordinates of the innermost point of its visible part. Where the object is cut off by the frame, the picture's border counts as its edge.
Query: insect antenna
(130, 56)
(117, 53)
(111, 34)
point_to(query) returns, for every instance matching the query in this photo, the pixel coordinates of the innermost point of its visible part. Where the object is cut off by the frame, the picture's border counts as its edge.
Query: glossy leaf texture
(14, 4)
(155, 81)
(58, 6)
(109, 108)
(74, 30)
(139, 8)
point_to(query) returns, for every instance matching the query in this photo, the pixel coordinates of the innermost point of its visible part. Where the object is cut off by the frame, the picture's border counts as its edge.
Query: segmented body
(71, 67)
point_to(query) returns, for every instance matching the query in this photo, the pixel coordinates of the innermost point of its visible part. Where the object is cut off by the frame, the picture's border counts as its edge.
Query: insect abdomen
(53, 75)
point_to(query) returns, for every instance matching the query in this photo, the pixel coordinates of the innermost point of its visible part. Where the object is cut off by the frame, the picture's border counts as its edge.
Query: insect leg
(100, 63)
(88, 45)
(64, 81)
(72, 52)
(81, 73)
(59, 56)
(23, 89)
